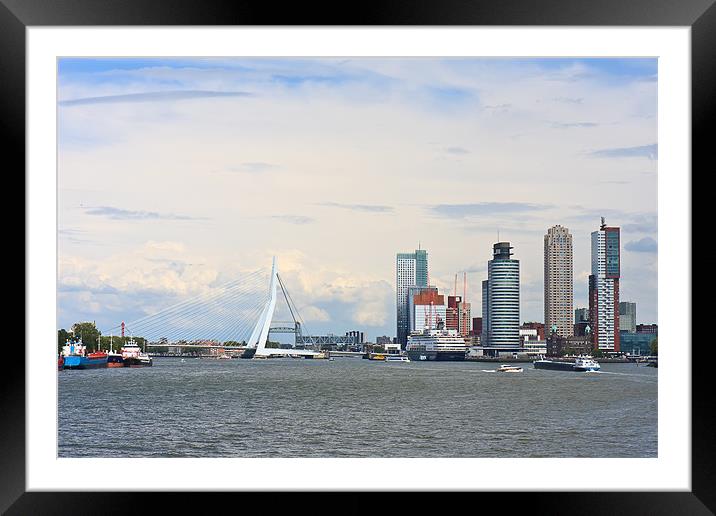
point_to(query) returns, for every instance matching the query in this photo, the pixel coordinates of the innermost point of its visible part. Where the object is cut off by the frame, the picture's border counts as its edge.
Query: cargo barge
(75, 356)
(582, 363)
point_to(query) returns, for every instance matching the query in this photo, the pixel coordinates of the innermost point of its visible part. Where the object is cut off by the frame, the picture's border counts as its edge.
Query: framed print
(430, 251)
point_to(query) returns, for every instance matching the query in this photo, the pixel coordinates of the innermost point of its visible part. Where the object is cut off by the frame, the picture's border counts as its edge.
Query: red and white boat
(133, 356)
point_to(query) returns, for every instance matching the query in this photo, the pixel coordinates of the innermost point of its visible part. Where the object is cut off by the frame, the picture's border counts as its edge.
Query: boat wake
(626, 374)
(489, 370)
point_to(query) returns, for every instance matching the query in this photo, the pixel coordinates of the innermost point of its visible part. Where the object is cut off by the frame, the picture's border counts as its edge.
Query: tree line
(93, 339)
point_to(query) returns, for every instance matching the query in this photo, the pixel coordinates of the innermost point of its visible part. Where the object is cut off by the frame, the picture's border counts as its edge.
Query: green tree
(655, 346)
(62, 336)
(89, 333)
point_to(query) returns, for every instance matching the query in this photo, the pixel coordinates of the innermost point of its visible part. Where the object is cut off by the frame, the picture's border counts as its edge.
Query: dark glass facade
(421, 268)
(636, 343)
(612, 252)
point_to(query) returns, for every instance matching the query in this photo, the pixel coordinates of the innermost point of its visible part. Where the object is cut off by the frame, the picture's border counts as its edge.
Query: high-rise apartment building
(501, 300)
(411, 270)
(465, 321)
(558, 281)
(463, 309)
(627, 317)
(604, 288)
(453, 316)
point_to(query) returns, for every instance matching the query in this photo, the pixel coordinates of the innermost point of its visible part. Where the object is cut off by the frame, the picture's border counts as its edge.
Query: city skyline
(175, 174)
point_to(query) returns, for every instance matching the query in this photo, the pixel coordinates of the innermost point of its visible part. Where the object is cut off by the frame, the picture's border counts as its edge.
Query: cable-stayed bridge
(237, 315)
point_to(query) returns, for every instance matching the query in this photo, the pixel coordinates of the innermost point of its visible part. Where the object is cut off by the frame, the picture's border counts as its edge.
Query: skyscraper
(501, 319)
(464, 319)
(484, 337)
(604, 288)
(411, 270)
(558, 281)
(627, 316)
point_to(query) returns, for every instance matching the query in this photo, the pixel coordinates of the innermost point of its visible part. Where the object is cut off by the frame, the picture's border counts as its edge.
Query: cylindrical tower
(503, 297)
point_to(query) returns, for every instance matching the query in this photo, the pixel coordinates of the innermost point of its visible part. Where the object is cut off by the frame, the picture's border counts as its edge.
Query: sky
(177, 175)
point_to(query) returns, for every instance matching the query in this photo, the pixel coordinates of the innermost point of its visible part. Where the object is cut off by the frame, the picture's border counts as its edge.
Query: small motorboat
(509, 369)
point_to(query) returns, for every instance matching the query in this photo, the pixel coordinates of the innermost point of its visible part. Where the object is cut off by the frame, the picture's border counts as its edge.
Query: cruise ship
(436, 344)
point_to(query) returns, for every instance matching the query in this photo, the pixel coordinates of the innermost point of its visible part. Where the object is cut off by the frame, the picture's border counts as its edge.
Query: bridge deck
(284, 351)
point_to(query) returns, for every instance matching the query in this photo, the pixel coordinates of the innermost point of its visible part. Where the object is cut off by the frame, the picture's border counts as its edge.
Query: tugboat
(133, 355)
(114, 359)
(75, 356)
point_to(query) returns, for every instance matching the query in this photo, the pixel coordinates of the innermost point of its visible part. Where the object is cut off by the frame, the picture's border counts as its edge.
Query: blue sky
(176, 174)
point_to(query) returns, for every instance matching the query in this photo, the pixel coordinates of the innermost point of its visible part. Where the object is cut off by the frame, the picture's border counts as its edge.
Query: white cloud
(366, 139)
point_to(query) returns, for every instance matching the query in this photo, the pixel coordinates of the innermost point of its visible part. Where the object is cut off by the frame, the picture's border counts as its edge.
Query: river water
(349, 407)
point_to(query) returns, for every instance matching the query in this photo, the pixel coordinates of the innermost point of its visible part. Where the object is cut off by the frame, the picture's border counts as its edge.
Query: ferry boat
(75, 356)
(586, 363)
(436, 344)
(509, 369)
(133, 356)
(396, 358)
(581, 363)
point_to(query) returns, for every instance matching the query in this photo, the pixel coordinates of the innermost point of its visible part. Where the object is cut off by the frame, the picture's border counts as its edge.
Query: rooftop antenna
(604, 224)
(498, 235)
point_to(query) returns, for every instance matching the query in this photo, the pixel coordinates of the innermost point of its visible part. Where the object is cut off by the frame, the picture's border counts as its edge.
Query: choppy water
(349, 407)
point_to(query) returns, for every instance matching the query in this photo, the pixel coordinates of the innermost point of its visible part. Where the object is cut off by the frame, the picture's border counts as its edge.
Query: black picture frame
(699, 15)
